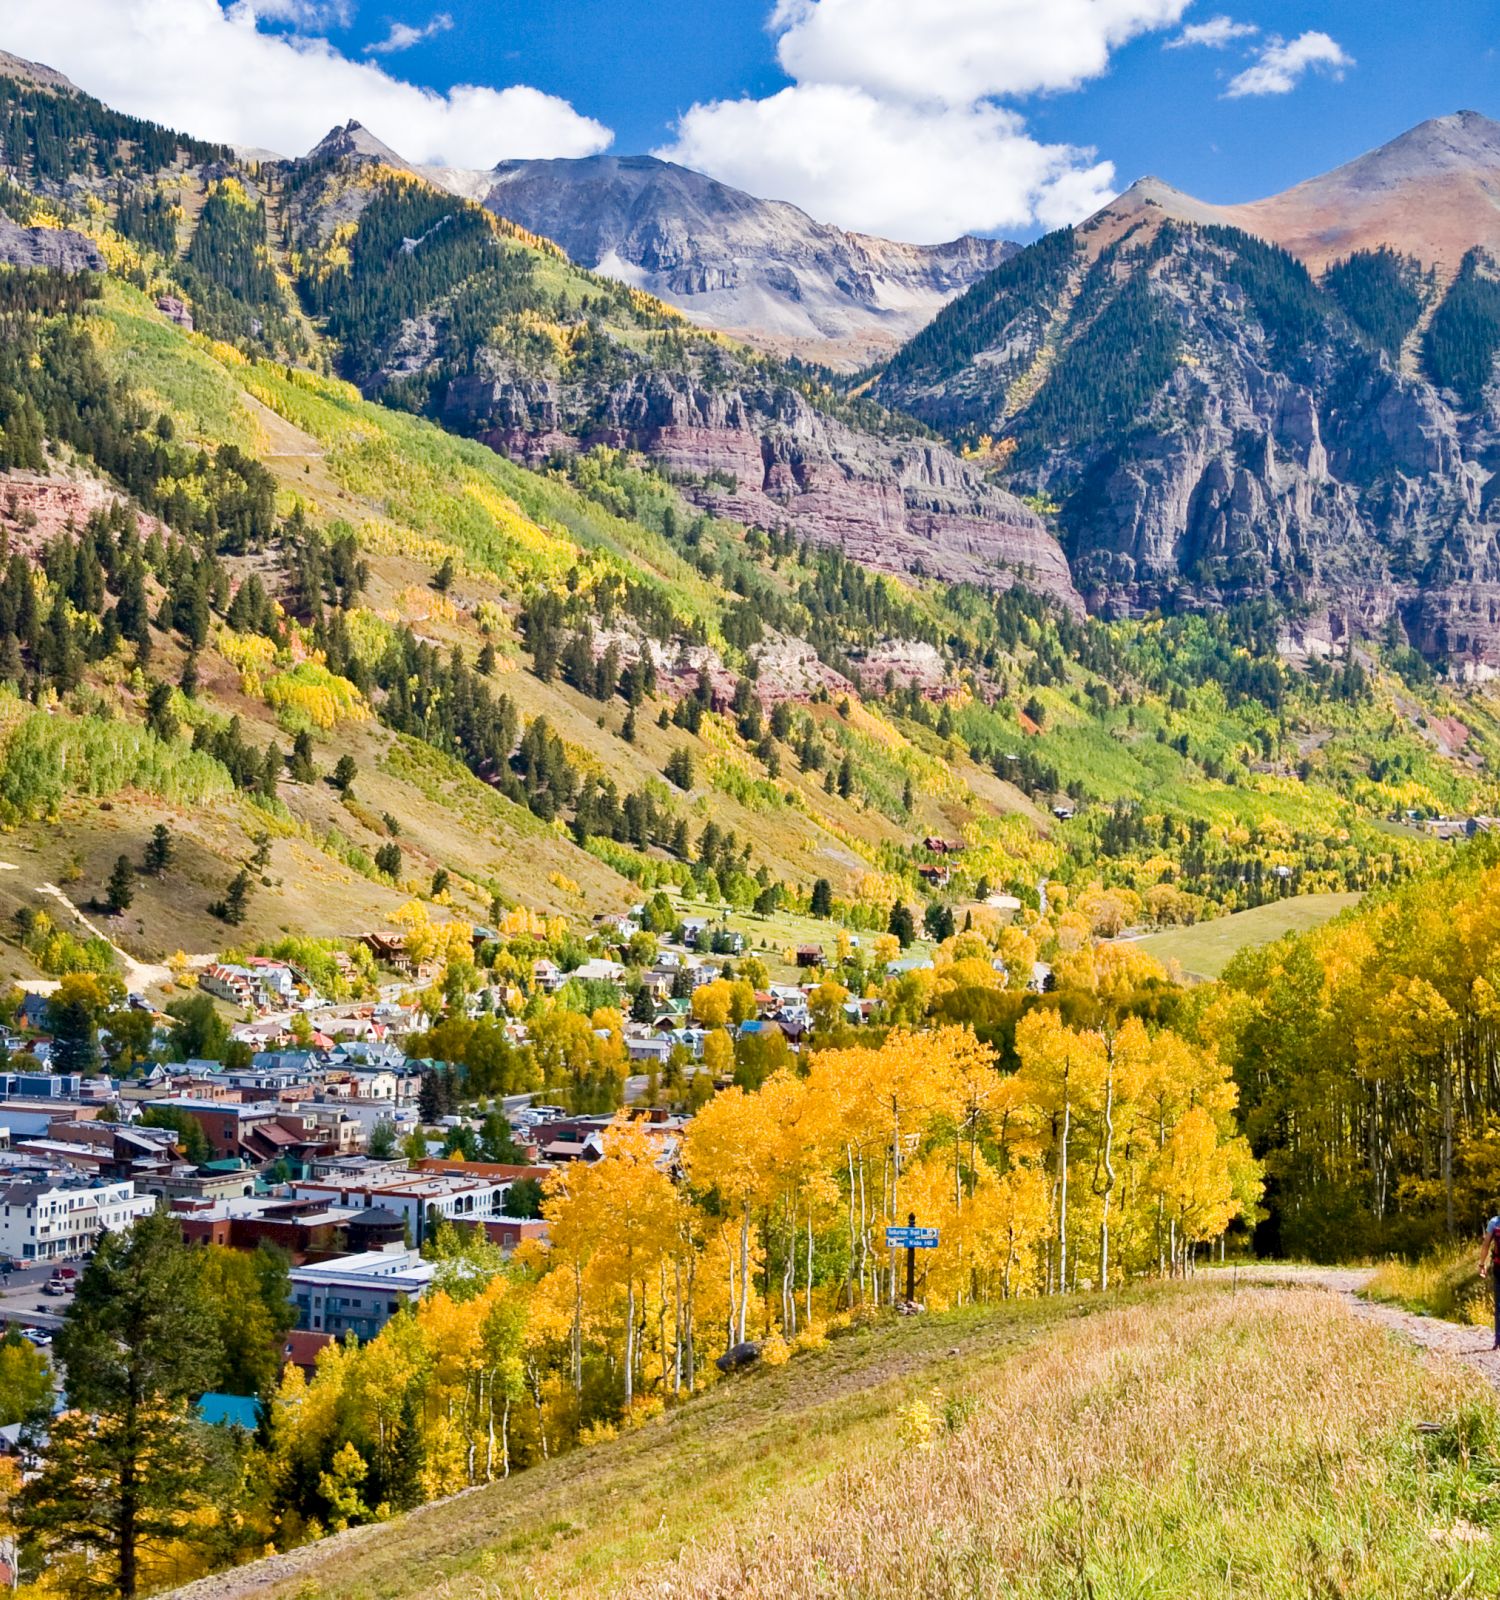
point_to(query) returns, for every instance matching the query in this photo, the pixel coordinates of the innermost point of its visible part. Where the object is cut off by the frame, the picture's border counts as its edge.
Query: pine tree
(125, 1468)
(120, 890)
(159, 850)
(160, 718)
(902, 924)
(344, 773)
(301, 764)
(822, 898)
(236, 901)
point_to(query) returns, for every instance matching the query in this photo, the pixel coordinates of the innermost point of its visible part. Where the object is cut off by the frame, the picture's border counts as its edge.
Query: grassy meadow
(1182, 1440)
(1206, 948)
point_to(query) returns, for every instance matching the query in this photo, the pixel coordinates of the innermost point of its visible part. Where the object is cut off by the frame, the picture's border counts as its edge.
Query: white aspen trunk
(1062, 1195)
(629, 1341)
(809, 1286)
(1109, 1177)
(744, 1273)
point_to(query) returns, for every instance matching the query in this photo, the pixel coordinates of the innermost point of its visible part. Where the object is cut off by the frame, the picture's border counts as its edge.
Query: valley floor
(1218, 1437)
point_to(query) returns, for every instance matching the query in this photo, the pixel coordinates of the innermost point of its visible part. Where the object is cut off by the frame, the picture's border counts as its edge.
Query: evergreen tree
(160, 718)
(408, 1457)
(159, 850)
(301, 764)
(120, 890)
(344, 773)
(125, 1468)
(902, 924)
(822, 898)
(236, 901)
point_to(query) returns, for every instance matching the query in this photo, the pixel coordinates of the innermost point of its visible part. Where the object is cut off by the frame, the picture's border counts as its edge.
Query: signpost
(911, 1238)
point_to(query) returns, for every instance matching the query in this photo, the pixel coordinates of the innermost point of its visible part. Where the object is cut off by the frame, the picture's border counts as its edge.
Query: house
(941, 847)
(234, 984)
(547, 975)
(810, 955)
(599, 971)
(59, 1219)
(357, 1294)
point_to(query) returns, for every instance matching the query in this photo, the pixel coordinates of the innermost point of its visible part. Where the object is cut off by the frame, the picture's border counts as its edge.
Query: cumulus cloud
(959, 51)
(218, 73)
(308, 14)
(893, 122)
(403, 35)
(1283, 64)
(885, 167)
(1215, 34)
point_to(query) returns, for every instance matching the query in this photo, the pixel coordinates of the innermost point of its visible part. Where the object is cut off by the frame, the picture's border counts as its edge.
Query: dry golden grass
(1190, 1441)
(1444, 1285)
(1258, 1444)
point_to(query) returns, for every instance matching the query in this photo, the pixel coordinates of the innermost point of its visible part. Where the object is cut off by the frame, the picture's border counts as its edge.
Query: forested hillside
(1202, 420)
(301, 567)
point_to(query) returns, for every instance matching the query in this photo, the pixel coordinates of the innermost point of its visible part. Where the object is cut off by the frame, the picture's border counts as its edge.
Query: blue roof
(230, 1411)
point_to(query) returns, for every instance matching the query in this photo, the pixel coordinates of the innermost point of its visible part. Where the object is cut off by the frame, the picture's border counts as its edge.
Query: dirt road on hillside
(1471, 1346)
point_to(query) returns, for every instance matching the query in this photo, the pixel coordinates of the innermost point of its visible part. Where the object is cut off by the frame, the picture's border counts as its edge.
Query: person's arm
(1488, 1252)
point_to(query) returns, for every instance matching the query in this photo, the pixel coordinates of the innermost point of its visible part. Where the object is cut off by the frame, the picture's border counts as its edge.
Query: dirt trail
(139, 975)
(1468, 1345)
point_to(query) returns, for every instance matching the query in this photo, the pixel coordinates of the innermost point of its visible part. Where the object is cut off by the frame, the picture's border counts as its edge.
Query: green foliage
(228, 270)
(126, 1468)
(1463, 337)
(54, 135)
(1380, 293)
(1016, 296)
(1111, 371)
(25, 1380)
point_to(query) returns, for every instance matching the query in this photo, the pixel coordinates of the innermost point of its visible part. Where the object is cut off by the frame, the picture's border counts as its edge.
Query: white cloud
(959, 51)
(404, 35)
(218, 74)
(1283, 63)
(892, 123)
(1214, 34)
(305, 15)
(884, 167)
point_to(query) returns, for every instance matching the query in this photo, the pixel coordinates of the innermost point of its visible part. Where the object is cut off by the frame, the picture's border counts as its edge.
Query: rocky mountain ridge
(760, 268)
(1211, 422)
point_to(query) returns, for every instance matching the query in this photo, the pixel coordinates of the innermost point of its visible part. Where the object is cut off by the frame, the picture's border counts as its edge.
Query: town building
(60, 1218)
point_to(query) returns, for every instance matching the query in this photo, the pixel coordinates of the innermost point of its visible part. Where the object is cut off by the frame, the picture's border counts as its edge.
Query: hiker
(1489, 1263)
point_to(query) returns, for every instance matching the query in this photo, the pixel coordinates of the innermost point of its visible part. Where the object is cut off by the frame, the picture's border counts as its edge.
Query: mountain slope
(1433, 193)
(762, 268)
(1211, 422)
(902, 1453)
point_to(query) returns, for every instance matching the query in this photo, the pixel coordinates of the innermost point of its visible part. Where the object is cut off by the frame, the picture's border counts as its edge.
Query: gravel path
(1471, 1346)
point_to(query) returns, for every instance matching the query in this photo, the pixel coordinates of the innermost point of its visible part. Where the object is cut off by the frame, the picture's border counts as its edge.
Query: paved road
(23, 1303)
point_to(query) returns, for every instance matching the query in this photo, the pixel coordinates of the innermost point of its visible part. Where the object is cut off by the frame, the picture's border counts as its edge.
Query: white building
(416, 1197)
(357, 1294)
(55, 1219)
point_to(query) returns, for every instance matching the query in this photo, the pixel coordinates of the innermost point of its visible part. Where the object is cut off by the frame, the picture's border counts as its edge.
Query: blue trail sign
(911, 1238)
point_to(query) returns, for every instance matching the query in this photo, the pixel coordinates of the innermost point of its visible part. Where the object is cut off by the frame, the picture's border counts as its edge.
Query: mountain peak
(34, 72)
(353, 141)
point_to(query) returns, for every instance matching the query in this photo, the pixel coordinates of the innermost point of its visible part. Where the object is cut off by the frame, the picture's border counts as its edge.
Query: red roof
(302, 1347)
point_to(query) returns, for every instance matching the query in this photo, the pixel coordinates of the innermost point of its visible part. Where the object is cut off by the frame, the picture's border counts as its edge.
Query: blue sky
(918, 118)
(636, 65)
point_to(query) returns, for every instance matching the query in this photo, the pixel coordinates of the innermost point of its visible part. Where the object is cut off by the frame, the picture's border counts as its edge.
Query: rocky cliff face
(62, 249)
(755, 449)
(735, 262)
(1214, 427)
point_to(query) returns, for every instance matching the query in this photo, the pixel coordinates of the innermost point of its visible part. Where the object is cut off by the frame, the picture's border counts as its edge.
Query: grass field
(1206, 948)
(1179, 1440)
